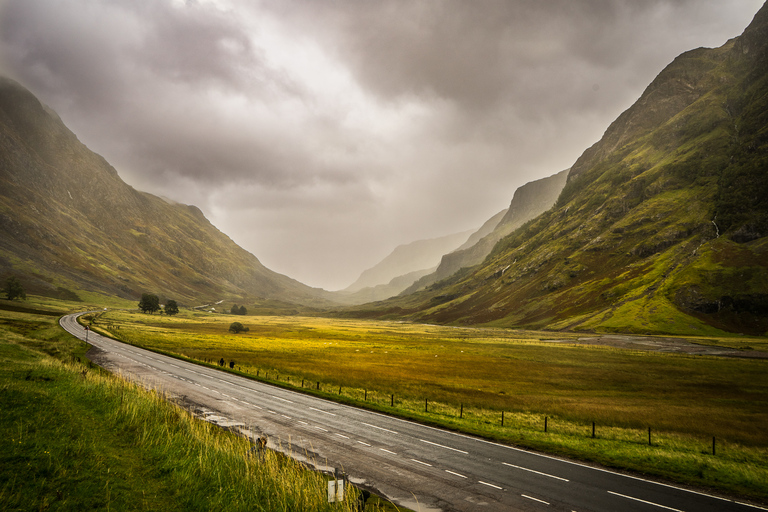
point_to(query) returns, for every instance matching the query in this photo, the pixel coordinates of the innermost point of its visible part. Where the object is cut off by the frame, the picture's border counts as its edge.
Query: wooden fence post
(649, 436)
(461, 412)
(502, 418)
(426, 405)
(593, 430)
(545, 424)
(392, 400)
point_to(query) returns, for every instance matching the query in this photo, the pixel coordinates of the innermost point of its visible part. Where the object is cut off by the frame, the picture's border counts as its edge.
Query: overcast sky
(319, 135)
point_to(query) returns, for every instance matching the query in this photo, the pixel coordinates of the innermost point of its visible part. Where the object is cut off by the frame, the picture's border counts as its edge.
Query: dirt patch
(661, 344)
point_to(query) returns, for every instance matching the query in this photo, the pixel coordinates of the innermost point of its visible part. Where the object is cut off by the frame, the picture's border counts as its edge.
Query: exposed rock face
(662, 226)
(418, 256)
(67, 221)
(529, 201)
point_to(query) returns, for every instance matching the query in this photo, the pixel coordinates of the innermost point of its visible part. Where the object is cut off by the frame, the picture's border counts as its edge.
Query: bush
(237, 327)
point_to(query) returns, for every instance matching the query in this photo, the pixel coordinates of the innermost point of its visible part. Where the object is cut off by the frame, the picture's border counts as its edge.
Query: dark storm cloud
(321, 134)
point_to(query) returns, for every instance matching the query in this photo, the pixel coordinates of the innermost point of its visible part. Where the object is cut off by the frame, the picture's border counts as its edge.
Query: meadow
(74, 437)
(657, 413)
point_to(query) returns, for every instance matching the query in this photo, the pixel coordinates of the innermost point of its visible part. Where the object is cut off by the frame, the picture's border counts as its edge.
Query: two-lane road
(419, 467)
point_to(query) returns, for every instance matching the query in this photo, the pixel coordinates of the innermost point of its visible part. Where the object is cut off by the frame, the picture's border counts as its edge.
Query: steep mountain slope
(413, 259)
(528, 201)
(67, 221)
(661, 226)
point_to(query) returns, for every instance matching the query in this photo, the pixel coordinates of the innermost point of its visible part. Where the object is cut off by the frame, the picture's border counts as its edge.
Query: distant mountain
(68, 224)
(528, 201)
(419, 256)
(662, 226)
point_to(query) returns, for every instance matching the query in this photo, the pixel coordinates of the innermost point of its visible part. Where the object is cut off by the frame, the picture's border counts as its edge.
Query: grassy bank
(465, 379)
(75, 438)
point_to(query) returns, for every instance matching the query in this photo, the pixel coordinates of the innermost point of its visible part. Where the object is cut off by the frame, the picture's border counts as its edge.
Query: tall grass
(469, 377)
(74, 438)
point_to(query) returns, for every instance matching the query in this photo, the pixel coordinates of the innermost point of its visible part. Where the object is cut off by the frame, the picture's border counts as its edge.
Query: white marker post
(335, 491)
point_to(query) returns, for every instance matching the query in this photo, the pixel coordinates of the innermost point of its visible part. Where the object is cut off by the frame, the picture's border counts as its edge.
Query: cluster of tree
(237, 327)
(13, 289)
(150, 303)
(238, 310)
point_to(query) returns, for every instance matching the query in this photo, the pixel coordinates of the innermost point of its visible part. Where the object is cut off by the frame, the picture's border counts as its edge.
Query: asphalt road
(415, 466)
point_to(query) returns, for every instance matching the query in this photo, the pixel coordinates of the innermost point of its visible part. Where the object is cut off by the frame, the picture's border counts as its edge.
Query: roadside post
(336, 488)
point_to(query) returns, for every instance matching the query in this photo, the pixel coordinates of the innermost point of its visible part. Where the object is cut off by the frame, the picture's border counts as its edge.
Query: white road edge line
(537, 472)
(443, 446)
(534, 499)
(643, 501)
(454, 473)
(490, 485)
(380, 428)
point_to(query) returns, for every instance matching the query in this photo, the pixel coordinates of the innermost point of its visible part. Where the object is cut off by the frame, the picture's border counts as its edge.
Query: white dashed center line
(324, 412)
(537, 472)
(454, 473)
(380, 428)
(534, 499)
(443, 446)
(489, 485)
(643, 501)
(392, 453)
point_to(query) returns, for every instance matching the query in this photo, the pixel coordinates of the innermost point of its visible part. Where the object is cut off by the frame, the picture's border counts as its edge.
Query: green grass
(686, 400)
(73, 437)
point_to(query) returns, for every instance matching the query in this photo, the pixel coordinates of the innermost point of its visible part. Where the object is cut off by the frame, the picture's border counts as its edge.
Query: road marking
(366, 444)
(643, 501)
(537, 472)
(324, 412)
(424, 463)
(380, 428)
(534, 499)
(303, 422)
(283, 399)
(443, 446)
(321, 428)
(271, 412)
(382, 449)
(340, 435)
(490, 485)
(286, 417)
(454, 473)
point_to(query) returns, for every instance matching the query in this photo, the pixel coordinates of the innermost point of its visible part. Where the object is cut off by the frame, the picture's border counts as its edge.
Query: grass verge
(75, 438)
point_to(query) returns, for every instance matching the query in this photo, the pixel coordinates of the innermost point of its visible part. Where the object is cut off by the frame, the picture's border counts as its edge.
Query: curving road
(415, 466)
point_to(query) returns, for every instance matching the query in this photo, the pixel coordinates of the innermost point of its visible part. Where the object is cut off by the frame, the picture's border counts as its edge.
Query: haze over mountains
(68, 222)
(659, 227)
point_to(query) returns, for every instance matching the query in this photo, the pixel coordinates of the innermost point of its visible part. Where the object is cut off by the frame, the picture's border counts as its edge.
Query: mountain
(528, 201)
(661, 227)
(413, 259)
(68, 224)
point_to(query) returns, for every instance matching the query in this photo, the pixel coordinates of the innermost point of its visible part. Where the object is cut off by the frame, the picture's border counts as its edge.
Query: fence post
(461, 412)
(339, 389)
(545, 424)
(426, 405)
(593, 430)
(392, 400)
(366, 395)
(649, 436)
(302, 383)
(318, 385)
(502, 418)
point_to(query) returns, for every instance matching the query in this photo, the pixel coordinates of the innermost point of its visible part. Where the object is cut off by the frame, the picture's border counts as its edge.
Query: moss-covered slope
(68, 222)
(661, 226)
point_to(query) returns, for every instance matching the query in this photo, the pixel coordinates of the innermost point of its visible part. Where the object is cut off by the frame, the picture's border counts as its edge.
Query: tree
(171, 308)
(14, 290)
(237, 327)
(149, 303)
(235, 310)
(242, 311)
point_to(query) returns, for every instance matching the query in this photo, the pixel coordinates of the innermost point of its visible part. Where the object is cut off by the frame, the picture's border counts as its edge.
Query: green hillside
(68, 223)
(661, 226)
